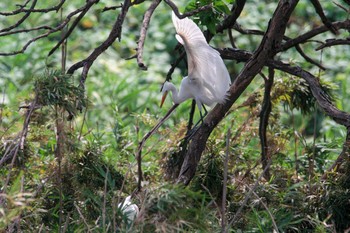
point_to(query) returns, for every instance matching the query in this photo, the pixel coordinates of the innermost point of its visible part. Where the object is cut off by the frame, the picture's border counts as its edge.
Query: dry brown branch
(56, 29)
(333, 42)
(298, 47)
(143, 32)
(87, 7)
(143, 141)
(321, 97)
(23, 10)
(108, 8)
(326, 22)
(113, 35)
(312, 33)
(21, 20)
(230, 20)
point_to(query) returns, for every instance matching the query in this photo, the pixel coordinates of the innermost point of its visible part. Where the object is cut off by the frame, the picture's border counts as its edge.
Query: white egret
(208, 79)
(129, 210)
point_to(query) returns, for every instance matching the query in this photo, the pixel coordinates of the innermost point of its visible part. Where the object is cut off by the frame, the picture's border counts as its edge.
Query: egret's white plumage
(128, 209)
(208, 79)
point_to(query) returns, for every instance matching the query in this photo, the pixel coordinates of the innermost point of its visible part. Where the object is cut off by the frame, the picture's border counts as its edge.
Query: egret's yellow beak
(163, 98)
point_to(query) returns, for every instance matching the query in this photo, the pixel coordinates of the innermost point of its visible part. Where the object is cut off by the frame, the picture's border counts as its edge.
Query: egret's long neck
(175, 94)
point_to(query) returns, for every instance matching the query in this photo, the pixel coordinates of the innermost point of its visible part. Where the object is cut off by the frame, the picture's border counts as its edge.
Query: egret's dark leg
(191, 132)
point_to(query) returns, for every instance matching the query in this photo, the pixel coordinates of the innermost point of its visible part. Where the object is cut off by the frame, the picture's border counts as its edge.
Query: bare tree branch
(308, 59)
(314, 32)
(298, 47)
(321, 97)
(56, 29)
(113, 35)
(45, 10)
(143, 32)
(108, 8)
(19, 22)
(323, 17)
(87, 7)
(332, 42)
(44, 27)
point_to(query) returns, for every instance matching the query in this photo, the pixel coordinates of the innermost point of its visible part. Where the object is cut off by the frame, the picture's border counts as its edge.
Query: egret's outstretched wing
(204, 62)
(190, 36)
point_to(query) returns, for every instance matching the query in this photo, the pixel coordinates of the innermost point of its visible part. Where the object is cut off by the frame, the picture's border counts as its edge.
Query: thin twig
(20, 21)
(82, 217)
(212, 197)
(56, 29)
(87, 7)
(108, 8)
(224, 186)
(267, 209)
(113, 35)
(308, 59)
(249, 195)
(332, 42)
(143, 141)
(44, 10)
(44, 27)
(105, 201)
(187, 14)
(323, 17)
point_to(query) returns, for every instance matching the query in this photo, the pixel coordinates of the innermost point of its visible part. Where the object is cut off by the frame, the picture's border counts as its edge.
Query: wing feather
(204, 62)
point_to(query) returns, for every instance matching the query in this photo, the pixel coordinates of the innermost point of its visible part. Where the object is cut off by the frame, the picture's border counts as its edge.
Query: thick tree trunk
(267, 49)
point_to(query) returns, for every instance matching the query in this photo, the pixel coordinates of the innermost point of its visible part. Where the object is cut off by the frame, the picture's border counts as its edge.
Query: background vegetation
(68, 154)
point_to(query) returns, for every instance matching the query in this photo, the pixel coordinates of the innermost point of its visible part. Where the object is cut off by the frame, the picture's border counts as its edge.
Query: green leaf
(221, 7)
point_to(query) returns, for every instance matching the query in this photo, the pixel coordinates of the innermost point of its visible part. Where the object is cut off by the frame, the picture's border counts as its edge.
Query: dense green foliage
(78, 188)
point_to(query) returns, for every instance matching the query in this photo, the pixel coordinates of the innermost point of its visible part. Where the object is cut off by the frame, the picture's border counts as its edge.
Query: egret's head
(164, 90)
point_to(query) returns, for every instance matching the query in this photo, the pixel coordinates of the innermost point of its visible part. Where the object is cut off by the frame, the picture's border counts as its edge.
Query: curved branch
(230, 20)
(19, 22)
(56, 29)
(87, 7)
(45, 10)
(297, 46)
(264, 120)
(314, 32)
(332, 42)
(308, 59)
(341, 117)
(44, 27)
(113, 35)
(143, 32)
(323, 17)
